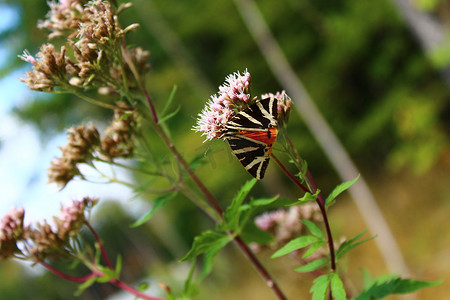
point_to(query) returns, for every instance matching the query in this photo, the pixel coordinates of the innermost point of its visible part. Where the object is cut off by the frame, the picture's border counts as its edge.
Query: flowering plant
(96, 57)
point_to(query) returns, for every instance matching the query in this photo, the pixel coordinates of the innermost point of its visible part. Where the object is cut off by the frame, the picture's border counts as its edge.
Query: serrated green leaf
(338, 190)
(312, 266)
(337, 288)
(314, 247)
(205, 242)
(157, 203)
(410, 285)
(295, 244)
(319, 289)
(350, 245)
(345, 243)
(392, 284)
(313, 229)
(232, 214)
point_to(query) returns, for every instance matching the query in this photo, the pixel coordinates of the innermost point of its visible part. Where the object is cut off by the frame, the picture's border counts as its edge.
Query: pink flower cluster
(73, 215)
(11, 223)
(234, 96)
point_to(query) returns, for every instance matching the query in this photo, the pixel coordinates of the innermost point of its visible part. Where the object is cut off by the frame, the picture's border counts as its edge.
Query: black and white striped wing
(251, 134)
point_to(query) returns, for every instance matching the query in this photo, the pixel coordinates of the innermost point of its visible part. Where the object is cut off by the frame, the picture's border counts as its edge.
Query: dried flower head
(81, 142)
(284, 105)
(64, 18)
(72, 217)
(45, 240)
(11, 231)
(119, 136)
(94, 33)
(49, 69)
(101, 25)
(233, 96)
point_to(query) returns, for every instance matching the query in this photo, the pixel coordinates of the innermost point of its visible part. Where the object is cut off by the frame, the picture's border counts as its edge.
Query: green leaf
(210, 256)
(188, 286)
(314, 247)
(338, 190)
(207, 241)
(337, 288)
(263, 201)
(388, 285)
(169, 100)
(252, 234)
(168, 116)
(320, 287)
(312, 266)
(157, 203)
(233, 212)
(295, 244)
(82, 287)
(118, 268)
(350, 244)
(143, 286)
(313, 229)
(308, 197)
(409, 285)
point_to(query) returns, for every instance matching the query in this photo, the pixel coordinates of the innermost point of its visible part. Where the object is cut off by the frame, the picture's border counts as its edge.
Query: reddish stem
(102, 248)
(116, 282)
(65, 276)
(260, 268)
(320, 202)
(290, 175)
(126, 287)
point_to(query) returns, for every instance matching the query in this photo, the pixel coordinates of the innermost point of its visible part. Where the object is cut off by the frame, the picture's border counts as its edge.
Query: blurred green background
(363, 67)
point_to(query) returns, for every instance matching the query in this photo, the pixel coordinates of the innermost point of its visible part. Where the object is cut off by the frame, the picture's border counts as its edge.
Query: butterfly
(251, 134)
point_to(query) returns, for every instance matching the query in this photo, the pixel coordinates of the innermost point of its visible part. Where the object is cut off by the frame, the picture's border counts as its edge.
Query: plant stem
(312, 189)
(65, 276)
(139, 81)
(122, 285)
(260, 268)
(100, 244)
(290, 175)
(82, 279)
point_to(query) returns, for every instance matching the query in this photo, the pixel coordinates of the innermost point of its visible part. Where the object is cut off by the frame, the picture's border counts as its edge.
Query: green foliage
(392, 284)
(157, 203)
(331, 199)
(307, 197)
(322, 285)
(207, 241)
(347, 245)
(233, 212)
(295, 244)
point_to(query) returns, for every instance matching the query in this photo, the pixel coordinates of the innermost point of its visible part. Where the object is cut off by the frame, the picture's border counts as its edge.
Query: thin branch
(100, 244)
(131, 290)
(320, 203)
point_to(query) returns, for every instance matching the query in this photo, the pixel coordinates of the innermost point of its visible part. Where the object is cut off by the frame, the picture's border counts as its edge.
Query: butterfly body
(251, 134)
